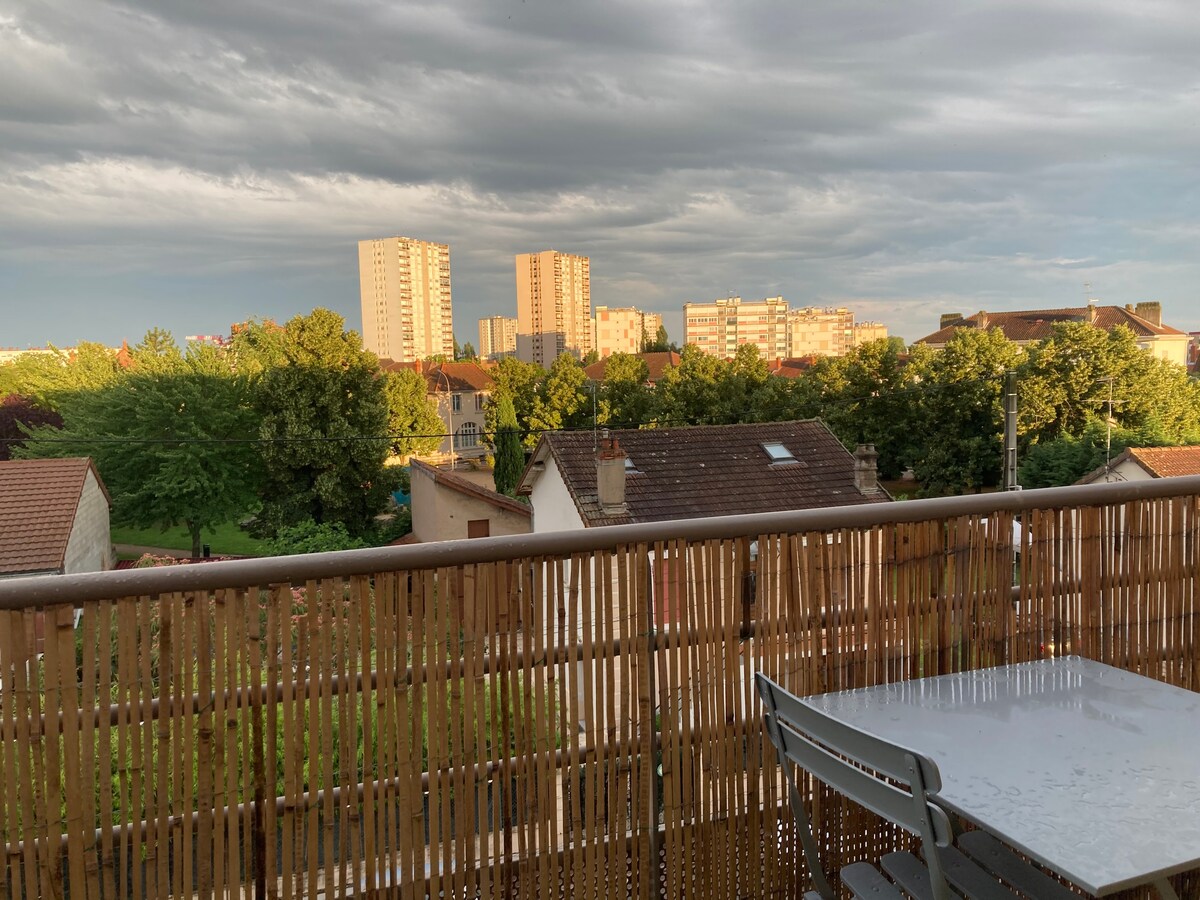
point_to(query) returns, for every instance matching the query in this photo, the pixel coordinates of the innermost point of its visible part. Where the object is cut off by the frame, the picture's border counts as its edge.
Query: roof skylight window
(778, 452)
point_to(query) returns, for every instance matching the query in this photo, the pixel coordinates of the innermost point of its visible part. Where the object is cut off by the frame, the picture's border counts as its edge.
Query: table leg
(1165, 890)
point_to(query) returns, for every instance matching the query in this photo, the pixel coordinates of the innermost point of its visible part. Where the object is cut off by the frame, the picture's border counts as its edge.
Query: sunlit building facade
(554, 306)
(405, 290)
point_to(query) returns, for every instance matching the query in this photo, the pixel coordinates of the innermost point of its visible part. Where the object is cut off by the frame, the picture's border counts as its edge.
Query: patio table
(1090, 770)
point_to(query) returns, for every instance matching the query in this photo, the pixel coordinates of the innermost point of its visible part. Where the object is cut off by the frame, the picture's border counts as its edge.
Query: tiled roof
(1168, 462)
(657, 363)
(684, 473)
(793, 368)
(38, 501)
(1159, 462)
(1038, 324)
(470, 489)
(461, 376)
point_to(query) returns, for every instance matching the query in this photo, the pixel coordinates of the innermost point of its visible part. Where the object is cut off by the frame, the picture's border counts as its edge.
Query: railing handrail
(46, 590)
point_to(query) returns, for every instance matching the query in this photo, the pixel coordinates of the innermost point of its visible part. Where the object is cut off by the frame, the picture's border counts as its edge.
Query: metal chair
(895, 783)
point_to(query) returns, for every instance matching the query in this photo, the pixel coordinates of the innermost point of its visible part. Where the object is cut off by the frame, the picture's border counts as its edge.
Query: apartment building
(497, 337)
(865, 332)
(554, 306)
(820, 331)
(721, 326)
(623, 329)
(405, 290)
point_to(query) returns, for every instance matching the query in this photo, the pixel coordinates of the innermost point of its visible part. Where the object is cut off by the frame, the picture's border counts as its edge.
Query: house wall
(553, 507)
(1126, 470)
(1172, 348)
(470, 410)
(442, 514)
(89, 548)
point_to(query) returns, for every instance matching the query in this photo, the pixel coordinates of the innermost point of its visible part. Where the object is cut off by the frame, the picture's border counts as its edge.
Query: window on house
(477, 528)
(479, 401)
(456, 402)
(467, 436)
(777, 452)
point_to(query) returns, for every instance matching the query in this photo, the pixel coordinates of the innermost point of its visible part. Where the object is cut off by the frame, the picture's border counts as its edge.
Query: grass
(224, 540)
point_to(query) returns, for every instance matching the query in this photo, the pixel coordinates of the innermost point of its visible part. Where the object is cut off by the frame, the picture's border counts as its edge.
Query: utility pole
(1108, 425)
(1010, 432)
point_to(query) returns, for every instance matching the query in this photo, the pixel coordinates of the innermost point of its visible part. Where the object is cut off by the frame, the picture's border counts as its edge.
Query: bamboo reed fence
(533, 717)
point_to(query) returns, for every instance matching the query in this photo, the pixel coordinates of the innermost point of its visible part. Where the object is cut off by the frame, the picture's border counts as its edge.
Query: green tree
(625, 400)
(687, 394)
(961, 411)
(313, 537)
(158, 440)
(324, 413)
(17, 415)
(591, 357)
(413, 420)
(870, 396)
(509, 457)
(660, 343)
(520, 380)
(1067, 459)
(157, 352)
(469, 353)
(564, 398)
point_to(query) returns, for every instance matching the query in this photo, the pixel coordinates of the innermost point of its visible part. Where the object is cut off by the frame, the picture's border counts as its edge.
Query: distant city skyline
(187, 166)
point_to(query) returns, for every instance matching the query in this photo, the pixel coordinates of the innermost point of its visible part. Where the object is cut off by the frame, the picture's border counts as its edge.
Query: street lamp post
(449, 412)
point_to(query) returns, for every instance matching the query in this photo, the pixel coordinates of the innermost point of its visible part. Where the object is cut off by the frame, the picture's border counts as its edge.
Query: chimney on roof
(1150, 311)
(981, 320)
(1091, 313)
(866, 471)
(949, 319)
(610, 475)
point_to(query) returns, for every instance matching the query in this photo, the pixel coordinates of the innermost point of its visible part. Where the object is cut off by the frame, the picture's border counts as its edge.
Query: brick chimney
(1150, 311)
(866, 472)
(949, 319)
(1092, 313)
(610, 475)
(982, 320)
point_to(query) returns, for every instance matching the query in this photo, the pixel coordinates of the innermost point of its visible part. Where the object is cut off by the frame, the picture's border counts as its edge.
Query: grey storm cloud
(190, 164)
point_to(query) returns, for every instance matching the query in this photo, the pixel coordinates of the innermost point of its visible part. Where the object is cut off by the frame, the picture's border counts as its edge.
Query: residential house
(54, 517)
(695, 472)
(447, 506)
(1031, 326)
(575, 480)
(54, 520)
(656, 362)
(1145, 463)
(460, 390)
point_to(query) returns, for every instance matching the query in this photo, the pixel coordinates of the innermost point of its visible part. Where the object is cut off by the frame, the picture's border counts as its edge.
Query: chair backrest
(887, 779)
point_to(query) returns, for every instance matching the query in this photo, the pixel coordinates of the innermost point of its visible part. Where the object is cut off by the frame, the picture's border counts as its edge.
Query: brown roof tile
(38, 500)
(685, 473)
(461, 376)
(657, 363)
(1030, 325)
(1168, 462)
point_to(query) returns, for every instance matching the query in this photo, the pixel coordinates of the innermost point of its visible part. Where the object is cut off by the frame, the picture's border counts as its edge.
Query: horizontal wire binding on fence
(548, 724)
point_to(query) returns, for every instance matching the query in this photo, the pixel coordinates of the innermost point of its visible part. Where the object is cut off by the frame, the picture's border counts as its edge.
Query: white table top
(1092, 771)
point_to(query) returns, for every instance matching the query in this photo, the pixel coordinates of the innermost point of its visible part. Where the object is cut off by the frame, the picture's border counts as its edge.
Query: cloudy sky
(190, 164)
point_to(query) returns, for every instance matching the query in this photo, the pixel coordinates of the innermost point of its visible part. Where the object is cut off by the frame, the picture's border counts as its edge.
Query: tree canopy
(170, 443)
(324, 421)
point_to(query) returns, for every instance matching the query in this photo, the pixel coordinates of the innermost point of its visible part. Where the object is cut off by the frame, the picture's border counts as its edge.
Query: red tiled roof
(712, 470)
(793, 368)
(38, 501)
(461, 376)
(470, 489)
(1168, 462)
(657, 363)
(1025, 326)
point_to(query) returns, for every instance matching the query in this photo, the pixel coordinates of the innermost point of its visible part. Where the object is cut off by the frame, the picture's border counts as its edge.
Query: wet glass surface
(1089, 769)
